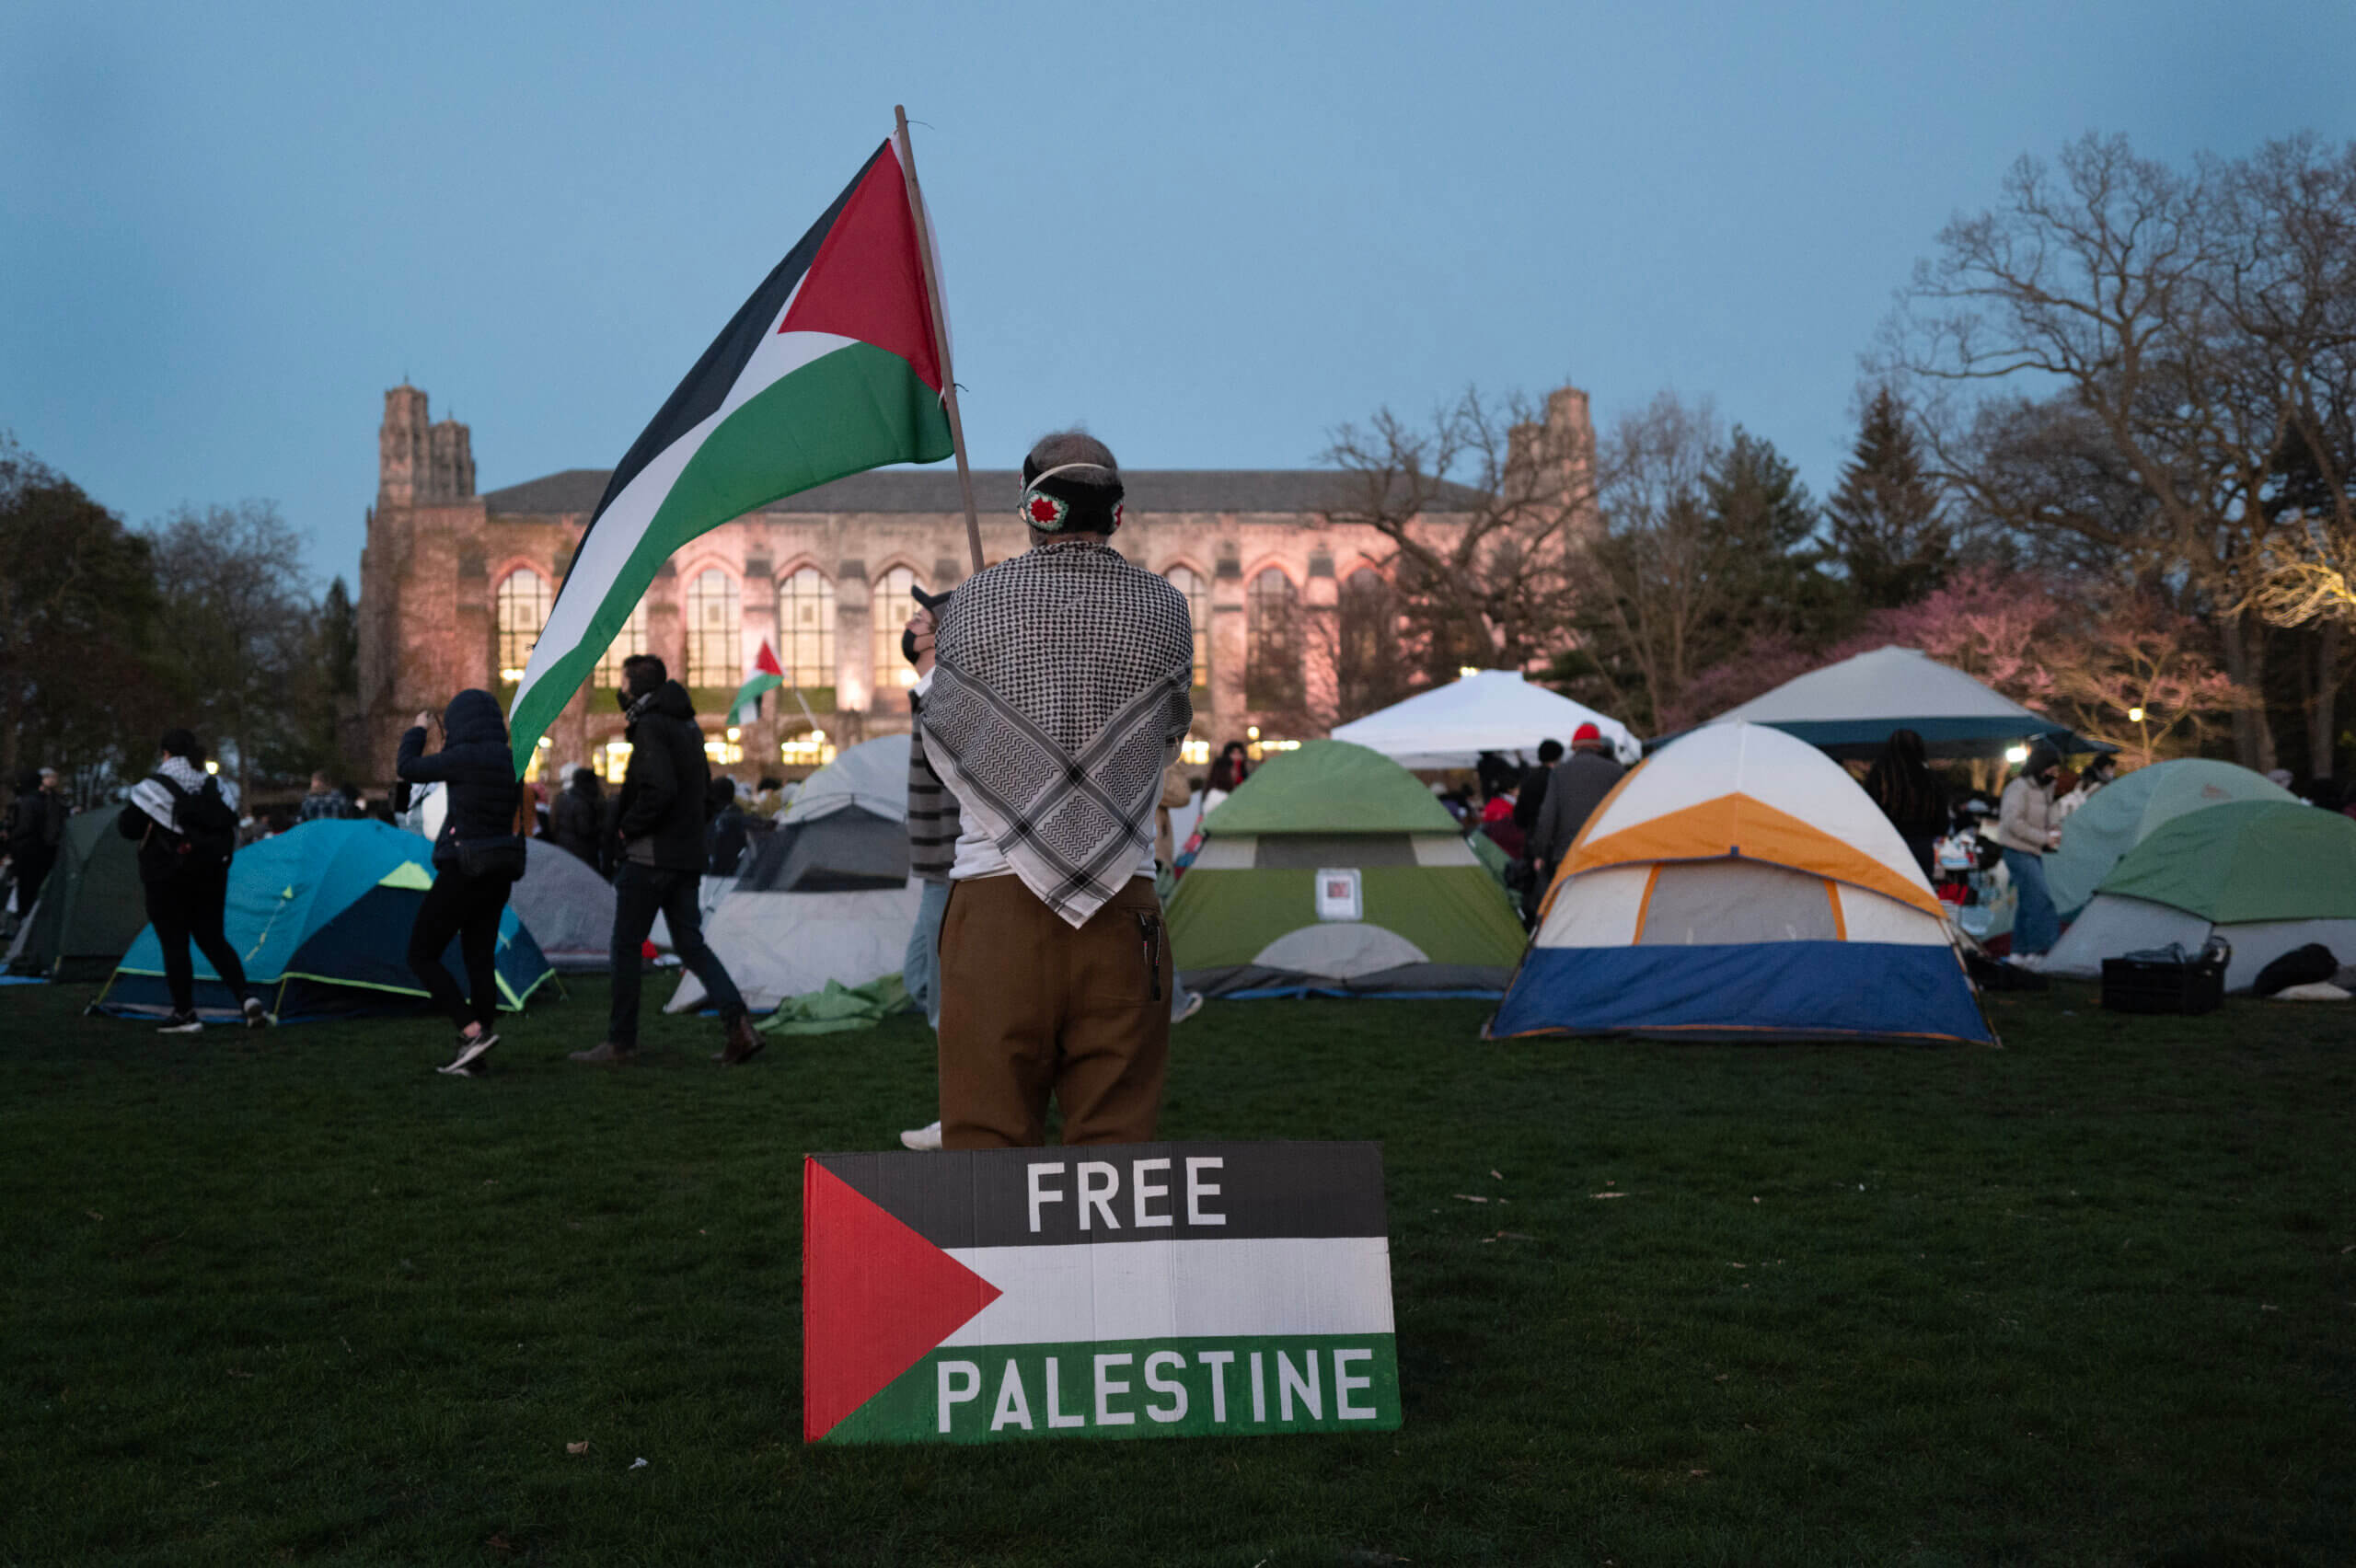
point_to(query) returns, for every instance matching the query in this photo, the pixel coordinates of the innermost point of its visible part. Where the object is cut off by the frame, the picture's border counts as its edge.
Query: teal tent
(320, 918)
(2127, 811)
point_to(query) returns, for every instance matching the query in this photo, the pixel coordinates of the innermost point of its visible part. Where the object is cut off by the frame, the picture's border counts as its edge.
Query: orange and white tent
(1738, 884)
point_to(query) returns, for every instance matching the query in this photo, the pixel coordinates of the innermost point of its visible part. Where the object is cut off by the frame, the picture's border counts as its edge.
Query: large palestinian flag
(830, 368)
(1139, 1290)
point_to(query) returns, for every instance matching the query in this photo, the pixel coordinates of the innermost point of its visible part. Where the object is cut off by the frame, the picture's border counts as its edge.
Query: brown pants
(1031, 1007)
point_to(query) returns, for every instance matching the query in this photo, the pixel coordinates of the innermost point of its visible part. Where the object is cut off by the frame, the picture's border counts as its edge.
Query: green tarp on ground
(91, 909)
(838, 1008)
(1332, 871)
(2123, 813)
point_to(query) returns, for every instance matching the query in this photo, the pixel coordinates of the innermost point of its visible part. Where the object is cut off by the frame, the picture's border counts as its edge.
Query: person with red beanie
(1576, 786)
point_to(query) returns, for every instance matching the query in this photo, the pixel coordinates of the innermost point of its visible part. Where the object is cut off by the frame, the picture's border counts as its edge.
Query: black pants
(185, 908)
(33, 869)
(639, 892)
(467, 909)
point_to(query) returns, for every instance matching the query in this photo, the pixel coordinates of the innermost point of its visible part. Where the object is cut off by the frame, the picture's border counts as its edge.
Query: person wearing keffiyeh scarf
(1057, 696)
(186, 832)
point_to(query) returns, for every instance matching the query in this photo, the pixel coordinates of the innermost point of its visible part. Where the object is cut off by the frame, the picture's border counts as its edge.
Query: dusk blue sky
(1211, 232)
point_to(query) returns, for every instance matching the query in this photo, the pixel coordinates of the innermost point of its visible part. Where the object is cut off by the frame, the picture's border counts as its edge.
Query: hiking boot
(256, 1014)
(470, 1050)
(607, 1055)
(181, 1024)
(745, 1042)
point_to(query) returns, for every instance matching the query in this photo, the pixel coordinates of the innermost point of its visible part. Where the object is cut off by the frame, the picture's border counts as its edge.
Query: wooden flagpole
(939, 328)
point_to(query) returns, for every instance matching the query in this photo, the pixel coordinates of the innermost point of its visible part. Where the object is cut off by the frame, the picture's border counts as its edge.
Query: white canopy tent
(1489, 710)
(1850, 709)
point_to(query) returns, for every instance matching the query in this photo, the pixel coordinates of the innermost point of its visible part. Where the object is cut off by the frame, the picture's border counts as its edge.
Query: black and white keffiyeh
(159, 802)
(1059, 694)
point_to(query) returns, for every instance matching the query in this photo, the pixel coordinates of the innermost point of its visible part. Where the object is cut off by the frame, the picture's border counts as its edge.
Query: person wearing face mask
(2028, 827)
(661, 867)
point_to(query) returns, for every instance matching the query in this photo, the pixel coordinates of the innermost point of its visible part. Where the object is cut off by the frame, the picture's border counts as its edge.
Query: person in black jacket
(186, 833)
(662, 831)
(726, 837)
(36, 829)
(477, 858)
(574, 815)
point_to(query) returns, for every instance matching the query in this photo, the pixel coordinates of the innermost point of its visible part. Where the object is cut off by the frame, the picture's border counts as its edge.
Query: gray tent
(91, 909)
(827, 896)
(567, 907)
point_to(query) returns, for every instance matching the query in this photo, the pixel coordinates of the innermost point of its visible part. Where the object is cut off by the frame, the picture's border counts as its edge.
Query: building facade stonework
(454, 586)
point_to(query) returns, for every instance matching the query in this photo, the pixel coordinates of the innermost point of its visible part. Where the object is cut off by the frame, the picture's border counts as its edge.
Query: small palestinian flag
(1137, 1290)
(768, 675)
(832, 367)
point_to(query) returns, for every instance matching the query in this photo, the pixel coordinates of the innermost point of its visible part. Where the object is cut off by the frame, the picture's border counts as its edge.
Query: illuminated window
(611, 761)
(722, 751)
(629, 643)
(715, 631)
(811, 749)
(890, 612)
(522, 610)
(1199, 609)
(805, 629)
(1272, 662)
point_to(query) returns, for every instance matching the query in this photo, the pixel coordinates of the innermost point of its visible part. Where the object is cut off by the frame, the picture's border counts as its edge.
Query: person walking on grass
(2028, 828)
(186, 832)
(660, 826)
(477, 857)
(1576, 786)
(36, 829)
(1057, 697)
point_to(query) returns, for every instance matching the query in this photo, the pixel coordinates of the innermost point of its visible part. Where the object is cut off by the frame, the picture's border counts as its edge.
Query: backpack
(208, 828)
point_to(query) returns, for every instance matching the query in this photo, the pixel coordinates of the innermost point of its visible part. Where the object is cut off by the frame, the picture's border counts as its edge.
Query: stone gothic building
(455, 585)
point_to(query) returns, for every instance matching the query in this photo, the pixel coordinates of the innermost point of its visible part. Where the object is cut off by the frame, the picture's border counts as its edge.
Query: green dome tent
(1332, 872)
(320, 918)
(2268, 876)
(91, 909)
(2123, 813)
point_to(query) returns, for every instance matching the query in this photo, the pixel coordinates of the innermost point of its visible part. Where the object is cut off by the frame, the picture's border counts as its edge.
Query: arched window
(1199, 609)
(522, 610)
(805, 629)
(629, 643)
(1367, 664)
(888, 611)
(1272, 680)
(715, 631)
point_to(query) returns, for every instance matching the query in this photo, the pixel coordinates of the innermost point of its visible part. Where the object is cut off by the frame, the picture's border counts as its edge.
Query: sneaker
(1194, 1005)
(2032, 962)
(256, 1014)
(924, 1140)
(745, 1042)
(606, 1054)
(470, 1051)
(181, 1024)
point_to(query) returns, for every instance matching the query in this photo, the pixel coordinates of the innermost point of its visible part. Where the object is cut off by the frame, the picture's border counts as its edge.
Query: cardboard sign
(1131, 1290)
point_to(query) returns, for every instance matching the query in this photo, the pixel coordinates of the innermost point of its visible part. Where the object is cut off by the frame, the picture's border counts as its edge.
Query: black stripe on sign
(1113, 1193)
(699, 395)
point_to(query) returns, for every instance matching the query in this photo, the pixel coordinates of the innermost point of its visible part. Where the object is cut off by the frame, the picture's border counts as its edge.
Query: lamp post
(2135, 717)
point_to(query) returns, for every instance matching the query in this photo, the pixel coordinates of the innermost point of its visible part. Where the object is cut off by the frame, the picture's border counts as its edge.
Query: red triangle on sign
(876, 1298)
(866, 281)
(765, 661)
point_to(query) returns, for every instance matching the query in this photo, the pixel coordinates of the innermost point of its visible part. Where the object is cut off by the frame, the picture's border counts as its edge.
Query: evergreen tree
(1885, 518)
(1768, 524)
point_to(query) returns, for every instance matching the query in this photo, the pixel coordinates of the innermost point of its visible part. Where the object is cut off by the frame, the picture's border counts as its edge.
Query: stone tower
(420, 463)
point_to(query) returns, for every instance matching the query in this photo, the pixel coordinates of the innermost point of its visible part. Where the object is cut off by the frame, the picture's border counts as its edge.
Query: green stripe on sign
(1169, 1388)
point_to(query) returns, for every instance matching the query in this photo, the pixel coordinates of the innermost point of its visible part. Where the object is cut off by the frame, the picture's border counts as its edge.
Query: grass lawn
(2091, 1298)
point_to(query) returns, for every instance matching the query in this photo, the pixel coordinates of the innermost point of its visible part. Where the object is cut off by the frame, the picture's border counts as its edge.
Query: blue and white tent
(1738, 885)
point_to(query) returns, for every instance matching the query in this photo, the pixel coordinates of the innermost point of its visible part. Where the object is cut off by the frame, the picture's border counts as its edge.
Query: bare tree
(2185, 318)
(1482, 507)
(235, 613)
(1661, 572)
